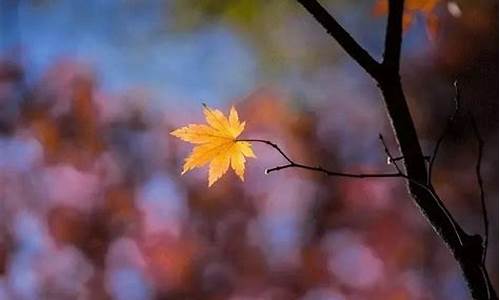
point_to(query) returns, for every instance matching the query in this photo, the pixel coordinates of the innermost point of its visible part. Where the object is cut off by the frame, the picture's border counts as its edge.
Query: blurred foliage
(277, 30)
(92, 205)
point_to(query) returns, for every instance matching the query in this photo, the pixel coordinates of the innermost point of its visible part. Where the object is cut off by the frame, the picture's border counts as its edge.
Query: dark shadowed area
(92, 201)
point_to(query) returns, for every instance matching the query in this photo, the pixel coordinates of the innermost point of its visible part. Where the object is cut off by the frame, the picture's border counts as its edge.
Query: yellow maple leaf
(216, 143)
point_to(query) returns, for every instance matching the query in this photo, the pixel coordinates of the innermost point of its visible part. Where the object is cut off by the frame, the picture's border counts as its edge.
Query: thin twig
(388, 153)
(293, 164)
(270, 144)
(348, 43)
(480, 146)
(399, 174)
(447, 128)
(398, 158)
(334, 173)
(458, 230)
(428, 187)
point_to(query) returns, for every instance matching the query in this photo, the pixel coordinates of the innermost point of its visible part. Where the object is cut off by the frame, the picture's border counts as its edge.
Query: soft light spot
(454, 9)
(351, 261)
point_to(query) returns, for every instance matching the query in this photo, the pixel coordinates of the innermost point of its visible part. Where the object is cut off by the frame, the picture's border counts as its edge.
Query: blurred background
(92, 203)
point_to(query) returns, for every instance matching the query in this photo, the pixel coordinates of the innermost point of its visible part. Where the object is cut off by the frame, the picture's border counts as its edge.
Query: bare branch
(389, 81)
(346, 41)
(480, 146)
(398, 174)
(393, 35)
(429, 188)
(445, 132)
(293, 164)
(398, 158)
(390, 158)
(334, 173)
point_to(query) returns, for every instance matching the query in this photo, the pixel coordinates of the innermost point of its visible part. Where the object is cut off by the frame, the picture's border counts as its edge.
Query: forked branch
(292, 164)
(464, 247)
(398, 174)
